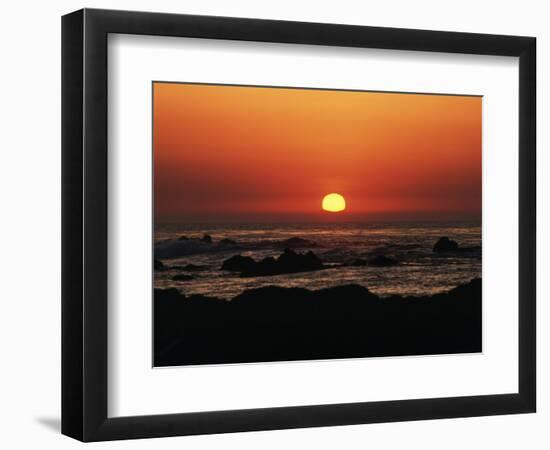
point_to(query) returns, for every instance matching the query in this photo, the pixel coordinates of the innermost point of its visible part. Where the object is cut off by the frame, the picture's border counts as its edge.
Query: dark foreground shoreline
(284, 324)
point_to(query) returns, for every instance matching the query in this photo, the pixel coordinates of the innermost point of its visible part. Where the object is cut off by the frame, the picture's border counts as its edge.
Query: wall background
(30, 226)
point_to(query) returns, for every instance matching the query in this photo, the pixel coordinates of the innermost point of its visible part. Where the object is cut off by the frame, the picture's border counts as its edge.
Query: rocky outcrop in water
(288, 262)
(446, 245)
(238, 263)
(382, 261)
(227, 241)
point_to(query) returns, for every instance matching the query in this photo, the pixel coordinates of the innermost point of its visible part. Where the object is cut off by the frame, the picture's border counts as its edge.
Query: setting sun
(333, 203)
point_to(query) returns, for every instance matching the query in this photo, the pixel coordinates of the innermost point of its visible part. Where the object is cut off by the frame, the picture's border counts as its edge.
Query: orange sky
(252, 154)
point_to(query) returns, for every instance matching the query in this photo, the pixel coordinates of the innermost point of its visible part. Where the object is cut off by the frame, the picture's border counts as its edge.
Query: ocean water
(420, 271)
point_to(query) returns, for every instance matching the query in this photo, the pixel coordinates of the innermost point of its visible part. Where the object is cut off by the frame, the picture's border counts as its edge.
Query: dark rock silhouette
(296, 242)
(359, 262)
(288, 262)
(183, 238)
(160, 266)
(281, 324)
(446, 245)
(238, 263)
(382, 261)
(182, 277)
(227, 241)
(206, 238)
(291, 262)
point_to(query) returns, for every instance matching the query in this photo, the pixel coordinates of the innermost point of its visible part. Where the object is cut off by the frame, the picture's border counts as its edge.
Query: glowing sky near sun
(254, 154)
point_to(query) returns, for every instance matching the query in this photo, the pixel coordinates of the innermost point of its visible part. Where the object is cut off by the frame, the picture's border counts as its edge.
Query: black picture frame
(84, 224)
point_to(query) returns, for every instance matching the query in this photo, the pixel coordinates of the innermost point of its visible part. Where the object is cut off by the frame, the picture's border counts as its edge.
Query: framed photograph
(272, 224)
